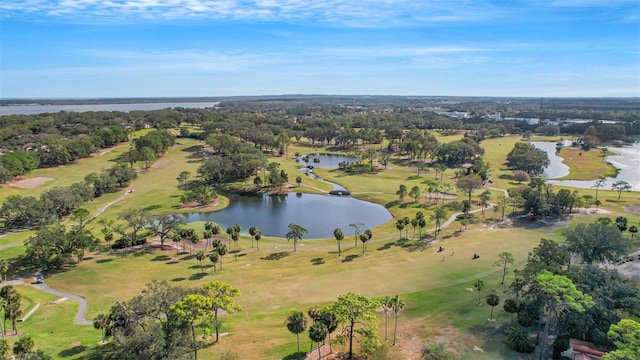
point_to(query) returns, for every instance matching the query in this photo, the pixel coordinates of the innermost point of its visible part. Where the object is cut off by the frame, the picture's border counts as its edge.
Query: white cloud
(362, 13)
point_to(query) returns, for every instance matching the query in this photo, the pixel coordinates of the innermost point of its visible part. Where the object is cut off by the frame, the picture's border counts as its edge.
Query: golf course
(433, 272)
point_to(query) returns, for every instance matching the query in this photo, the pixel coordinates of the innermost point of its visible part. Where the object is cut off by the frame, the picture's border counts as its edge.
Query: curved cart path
(82, 309)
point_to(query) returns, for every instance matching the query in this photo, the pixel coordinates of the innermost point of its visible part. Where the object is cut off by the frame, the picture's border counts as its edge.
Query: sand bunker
(31, 183)
(633, 208)
(160, 164)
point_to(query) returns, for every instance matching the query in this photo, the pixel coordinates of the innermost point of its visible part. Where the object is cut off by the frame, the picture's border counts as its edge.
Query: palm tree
(414, 223)
(214, 257)
(406, 221)
(439, 215)
(200, 256)
(402, 192)
(252, 232)
(478, 285)
(329, 320)
(510, 306)
(386, 307)
(318, 332)
(492, 300)
(400, 226)
(339, 235)
(397, 306)
(363, 239)
(295, 233)
(421, 223)
(176, 239)
(222, 250)
(257, 237)
(633, 230)
(297, 323)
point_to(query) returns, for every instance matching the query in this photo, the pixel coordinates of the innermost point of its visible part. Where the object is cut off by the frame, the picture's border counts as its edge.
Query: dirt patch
(31, 183)
(633, 208)
(160, 164)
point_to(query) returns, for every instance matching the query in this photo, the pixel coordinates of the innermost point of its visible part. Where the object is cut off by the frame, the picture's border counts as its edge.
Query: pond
(330, 161)
(319, 214)
(627, 160)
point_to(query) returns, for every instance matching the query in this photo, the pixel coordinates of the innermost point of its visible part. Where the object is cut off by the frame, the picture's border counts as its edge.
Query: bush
(124, 242)
(519, 340)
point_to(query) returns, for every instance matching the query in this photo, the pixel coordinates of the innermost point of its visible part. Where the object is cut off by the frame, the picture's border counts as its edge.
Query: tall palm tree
(397, 306)
(386, 307)
(295, 233)
(400, 226)
(330, 320)
(439, 215)
(318, 332)
(297, 323)
(214, 257)
(406, 221)
(252, 232)
(339, 235)
(257, 237)
(200, 256)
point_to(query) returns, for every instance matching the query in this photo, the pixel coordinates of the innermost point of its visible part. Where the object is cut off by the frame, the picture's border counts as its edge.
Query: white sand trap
(31, 183)
(160, 164)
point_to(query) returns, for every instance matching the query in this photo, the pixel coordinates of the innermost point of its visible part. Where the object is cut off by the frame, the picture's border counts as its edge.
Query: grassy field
(586, 165)
(274, 281)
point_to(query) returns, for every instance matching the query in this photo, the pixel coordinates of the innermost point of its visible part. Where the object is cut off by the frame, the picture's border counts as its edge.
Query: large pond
(627, 160)
(319, 214)
(330, 161)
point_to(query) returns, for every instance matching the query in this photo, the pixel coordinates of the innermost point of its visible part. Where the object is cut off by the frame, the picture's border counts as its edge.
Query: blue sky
(157, 48)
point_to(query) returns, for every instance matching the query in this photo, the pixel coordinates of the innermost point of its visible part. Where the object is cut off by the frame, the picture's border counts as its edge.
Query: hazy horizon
(72, 49)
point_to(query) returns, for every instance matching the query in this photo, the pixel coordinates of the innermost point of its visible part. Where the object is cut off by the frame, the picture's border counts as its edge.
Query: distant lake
(39, 109)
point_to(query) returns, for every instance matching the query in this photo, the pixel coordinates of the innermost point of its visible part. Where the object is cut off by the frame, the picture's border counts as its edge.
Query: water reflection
(319, 214)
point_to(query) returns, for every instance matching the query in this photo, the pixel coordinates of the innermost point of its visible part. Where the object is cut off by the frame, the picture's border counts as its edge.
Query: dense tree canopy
(527, 157)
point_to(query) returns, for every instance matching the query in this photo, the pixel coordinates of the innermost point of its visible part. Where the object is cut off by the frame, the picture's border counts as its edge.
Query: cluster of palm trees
(419, 221)
(363, 236)
(325, 322)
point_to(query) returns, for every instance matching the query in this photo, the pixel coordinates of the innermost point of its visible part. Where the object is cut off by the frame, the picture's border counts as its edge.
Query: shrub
(519, 340)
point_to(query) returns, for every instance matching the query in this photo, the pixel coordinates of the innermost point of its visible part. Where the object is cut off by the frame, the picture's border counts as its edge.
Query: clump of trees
(526, 157)
(161, 322)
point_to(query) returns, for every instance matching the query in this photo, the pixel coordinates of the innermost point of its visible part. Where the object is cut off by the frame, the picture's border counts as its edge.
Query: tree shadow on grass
(415, 246)
(72, 351)
(295, 356)
(172, 262)
(103, 261)
(161, 258)
(197, 276)
(188, 257)
(317, 261)
(178, 279)
(152, 207)
(276, 256)
(386, 246)
(349, 258)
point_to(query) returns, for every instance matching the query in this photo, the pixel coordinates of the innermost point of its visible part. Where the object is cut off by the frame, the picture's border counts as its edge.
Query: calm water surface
(319, 214)
(39, 109)
(626, 159)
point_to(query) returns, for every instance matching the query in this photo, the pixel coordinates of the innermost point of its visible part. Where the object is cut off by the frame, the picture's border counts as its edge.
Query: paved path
(82, 309)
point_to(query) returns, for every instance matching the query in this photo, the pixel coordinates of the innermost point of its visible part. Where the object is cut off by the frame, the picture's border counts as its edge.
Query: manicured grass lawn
(51, 325)
(586, 165)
